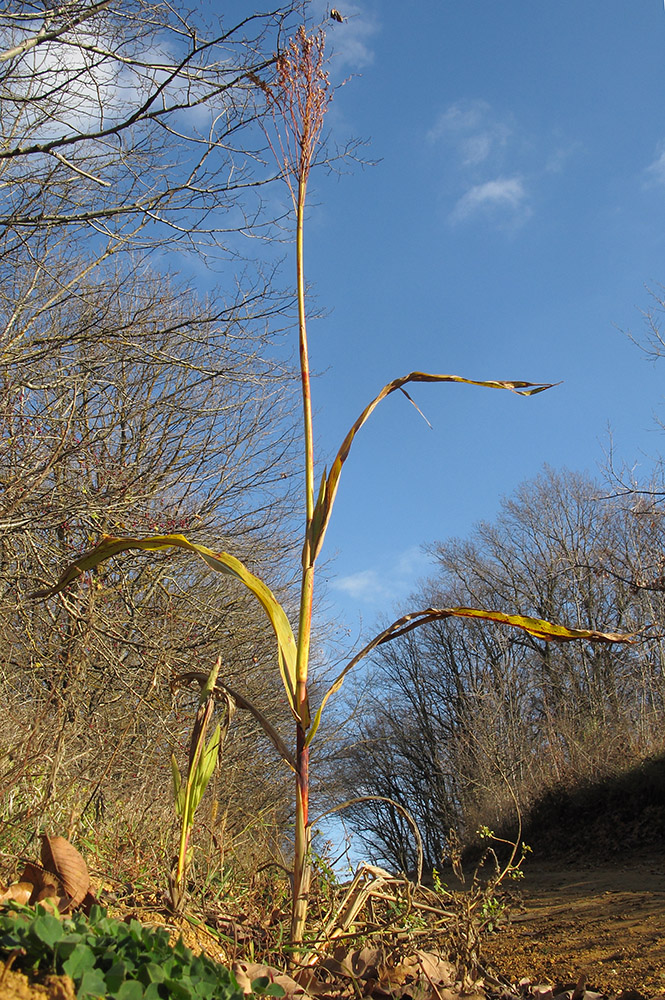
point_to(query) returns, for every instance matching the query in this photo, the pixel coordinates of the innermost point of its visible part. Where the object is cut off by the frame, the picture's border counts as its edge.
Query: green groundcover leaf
(109, 958)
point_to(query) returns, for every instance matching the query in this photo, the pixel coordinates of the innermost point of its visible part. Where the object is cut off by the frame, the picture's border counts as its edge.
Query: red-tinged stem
(301, 870)
(301, 864)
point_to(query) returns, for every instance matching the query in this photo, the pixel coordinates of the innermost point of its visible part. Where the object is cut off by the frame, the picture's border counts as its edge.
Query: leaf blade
(220, 562)
(325, 502)
(537, 627)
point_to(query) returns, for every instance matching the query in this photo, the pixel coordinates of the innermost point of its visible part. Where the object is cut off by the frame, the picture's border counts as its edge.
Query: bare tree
(466, 720)
(130, 121)
(128, 402)
(155, 415)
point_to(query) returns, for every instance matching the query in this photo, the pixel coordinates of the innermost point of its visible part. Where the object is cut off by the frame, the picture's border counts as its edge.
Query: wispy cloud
(471, 129)
(381, 586)
(491, 166)
(655, 172)
(505, 194)
(364, 586)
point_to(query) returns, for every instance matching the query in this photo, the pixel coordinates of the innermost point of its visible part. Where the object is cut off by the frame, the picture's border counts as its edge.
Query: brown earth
(16, 986)
(605, 921)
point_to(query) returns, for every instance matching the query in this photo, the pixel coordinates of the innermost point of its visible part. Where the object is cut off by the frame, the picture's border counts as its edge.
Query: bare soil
(603, 920)
(16, 986)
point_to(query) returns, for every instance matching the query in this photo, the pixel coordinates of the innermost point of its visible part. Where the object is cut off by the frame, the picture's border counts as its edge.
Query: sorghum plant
(299, 97)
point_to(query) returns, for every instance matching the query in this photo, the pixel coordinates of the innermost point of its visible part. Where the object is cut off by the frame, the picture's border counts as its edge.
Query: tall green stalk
(299, 101)
(301, 868)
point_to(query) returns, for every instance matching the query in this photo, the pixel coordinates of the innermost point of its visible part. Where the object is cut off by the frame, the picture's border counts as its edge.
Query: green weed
(106, 957)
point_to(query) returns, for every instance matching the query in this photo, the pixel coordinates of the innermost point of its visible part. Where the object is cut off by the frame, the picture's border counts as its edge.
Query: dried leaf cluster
(61, 879)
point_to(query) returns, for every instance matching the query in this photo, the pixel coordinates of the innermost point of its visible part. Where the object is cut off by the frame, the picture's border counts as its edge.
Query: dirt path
(607, 922)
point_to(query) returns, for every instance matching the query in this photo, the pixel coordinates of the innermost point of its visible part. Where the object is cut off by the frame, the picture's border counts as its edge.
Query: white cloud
(656, 170)
(490, 167)
(504, 193)
(465, 116)
(472, 130)
(388, 584)
(363, 586)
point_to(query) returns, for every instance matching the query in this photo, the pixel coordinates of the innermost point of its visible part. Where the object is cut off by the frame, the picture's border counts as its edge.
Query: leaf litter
(406, 954)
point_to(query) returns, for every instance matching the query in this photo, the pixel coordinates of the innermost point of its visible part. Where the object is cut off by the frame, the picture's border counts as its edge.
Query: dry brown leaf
(63, 860)
(247, 972)
(32, 873)
(19, 892)
(44, 883)
(361, 963)
(438, 970)
(53, 894)
(291, 987)
(393, 980)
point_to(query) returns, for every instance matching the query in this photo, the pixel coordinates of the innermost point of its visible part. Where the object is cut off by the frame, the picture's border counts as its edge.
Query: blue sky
(511, 229)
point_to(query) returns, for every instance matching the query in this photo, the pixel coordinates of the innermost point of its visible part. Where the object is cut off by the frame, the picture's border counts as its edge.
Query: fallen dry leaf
(360, 963)
(44, 883)
(247, 972)
(63, 860)
(437, 970)
(19, 892)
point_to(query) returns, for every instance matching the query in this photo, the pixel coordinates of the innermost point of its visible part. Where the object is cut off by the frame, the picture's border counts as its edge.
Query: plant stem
(301, 872)
(304, 355)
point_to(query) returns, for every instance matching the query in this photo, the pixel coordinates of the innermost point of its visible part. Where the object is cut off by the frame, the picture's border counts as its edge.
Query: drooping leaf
(324, 504)
(536, 627)
(220, 562)
(243, 703)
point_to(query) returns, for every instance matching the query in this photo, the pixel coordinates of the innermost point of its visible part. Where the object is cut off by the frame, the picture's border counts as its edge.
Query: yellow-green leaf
(204, 768)
(536, 627)
(178, 790)
(209, 759)
(221, 562)
(325, 502)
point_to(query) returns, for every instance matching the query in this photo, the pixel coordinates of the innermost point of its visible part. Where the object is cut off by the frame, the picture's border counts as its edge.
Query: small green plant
(299, 97)
(492, 912)
(438, 884)
(106, 957)
(200, 767)
(482, 905)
